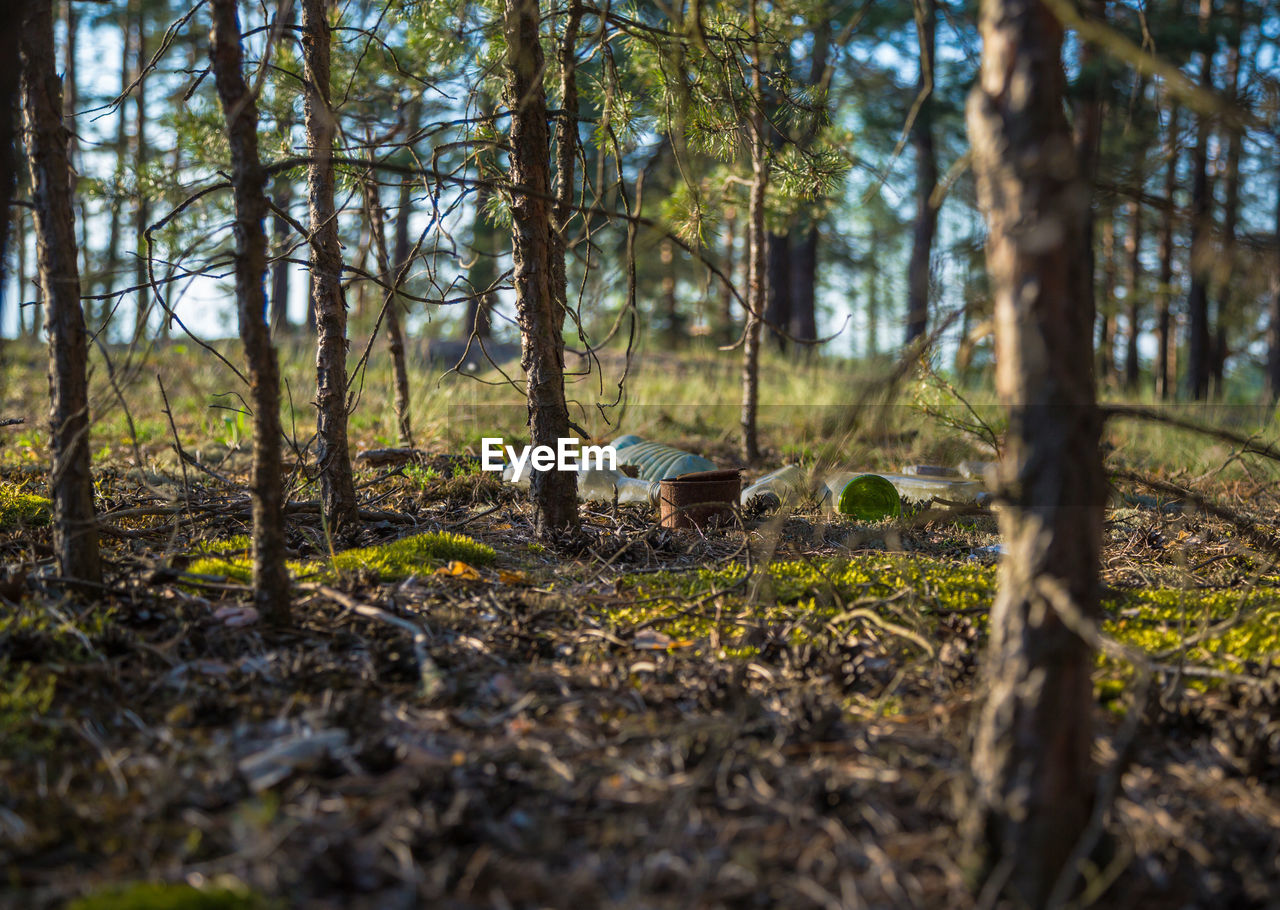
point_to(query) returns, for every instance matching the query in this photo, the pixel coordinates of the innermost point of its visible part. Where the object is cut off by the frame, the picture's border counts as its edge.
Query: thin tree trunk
(1273, 323)
(70, 480)
(281, 235)
(1225, 271)
(675, 327)
(926, 224)
(566, 146)
(1201, 265)
(539, 310)
(756, 253)
(1166, 337)
(1133, 251)
(337, 486)
(1107, 306)
(20, 240)
(730, 268)
(1034, 781)
(805, 239)
(9, 92)
(248, 180)
(142, 208)
(872, 347)
(777, 313)
(483, 272)
(70, 106)
(391, 316)
(112, 260)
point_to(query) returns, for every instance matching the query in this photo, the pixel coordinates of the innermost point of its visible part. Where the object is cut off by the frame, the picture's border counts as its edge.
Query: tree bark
(281, 234)
(675, 323)
(1034, 782)
(337, 486)
(1201, 265)
(9, 93)
(112, 258)
(539, 310)
(70, 480)
(248, 181)
(926, 223)
(1273, 322)
(142, 208)
(1107, 306)
(777, 313)
(1225, 260)
(1133, 253)
(756, 254)
(1166, 337)
(730, 268)
(807, 235)
(391, 316)
(483, 271)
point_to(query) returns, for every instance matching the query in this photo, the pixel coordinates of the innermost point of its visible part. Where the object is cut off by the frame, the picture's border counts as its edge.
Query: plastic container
(600, 485)
(866, 497)
(657, 461)
(775, 488)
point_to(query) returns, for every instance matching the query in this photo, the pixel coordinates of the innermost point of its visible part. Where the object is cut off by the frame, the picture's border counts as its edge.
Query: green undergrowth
(1239, 628)
(392, 561)
(157, 896)
(18, 507)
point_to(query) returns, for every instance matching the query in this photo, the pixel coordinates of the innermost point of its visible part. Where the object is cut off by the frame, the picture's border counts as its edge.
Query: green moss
(155, 896)
(413, 555)
(25, 698)
(392, 561)
(18, 507)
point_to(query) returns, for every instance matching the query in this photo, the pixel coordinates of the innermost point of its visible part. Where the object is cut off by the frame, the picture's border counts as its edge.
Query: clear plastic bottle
(598, 485)
(773, 489)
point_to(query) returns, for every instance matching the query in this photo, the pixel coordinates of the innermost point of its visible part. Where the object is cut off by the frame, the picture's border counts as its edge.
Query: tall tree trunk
(756, 254)
(1166, 336)
(1107, 306)
(1133, 253)
(1201, 266)
(248, 181)
(539, 310)
(1034, 782)
(675, 327)
(872, 347)
(111, 264)
(730, 268)
(1225, 271)
(777, 313)
(566, 146)
(142, 208)
(483, 271)
(807, 235)
(804, 287)
(70, 107)
(20, 241)
(1273, 322)
(337, 486)
(281, 235)
(391, 316)
(926, 224)
(70, 481)
(9, 103)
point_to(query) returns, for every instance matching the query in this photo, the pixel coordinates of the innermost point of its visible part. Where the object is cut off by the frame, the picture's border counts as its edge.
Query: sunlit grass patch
(18, 507)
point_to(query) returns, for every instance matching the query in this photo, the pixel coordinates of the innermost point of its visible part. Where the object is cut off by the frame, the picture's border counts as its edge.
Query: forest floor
(770, 714)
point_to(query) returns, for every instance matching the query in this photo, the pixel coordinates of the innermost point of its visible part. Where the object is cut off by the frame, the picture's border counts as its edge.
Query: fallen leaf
(512, 577)
(458, 569)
